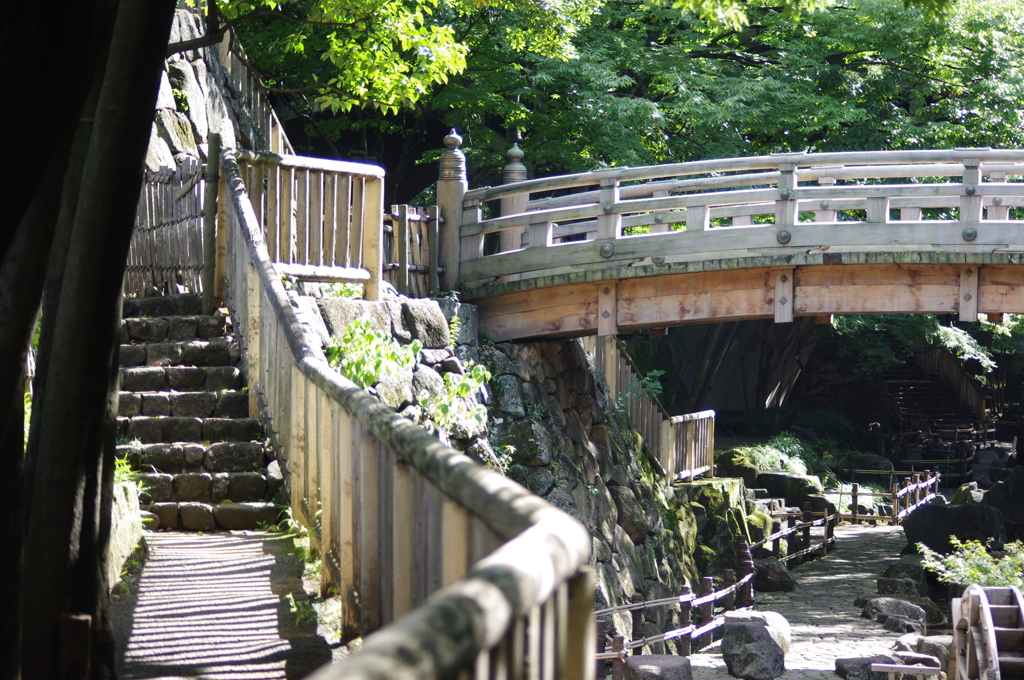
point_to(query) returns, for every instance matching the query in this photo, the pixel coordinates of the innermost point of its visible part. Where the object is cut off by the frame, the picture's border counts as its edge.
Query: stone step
(163, 305)
(173, 328)
(181, 378)
(195, 457)
(153, 429)
(224, 404)
(213, 352)
(206, 487)
(208, 517)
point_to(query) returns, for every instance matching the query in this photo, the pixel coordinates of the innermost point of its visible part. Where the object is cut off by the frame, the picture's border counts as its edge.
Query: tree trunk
(73, 425)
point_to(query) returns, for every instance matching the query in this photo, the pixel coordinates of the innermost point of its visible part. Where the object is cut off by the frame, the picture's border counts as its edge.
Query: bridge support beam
(969, 293)
(784, 295)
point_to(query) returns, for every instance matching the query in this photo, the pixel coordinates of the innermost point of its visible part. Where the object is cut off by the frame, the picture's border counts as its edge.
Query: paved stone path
(216, 606)
(825, 624)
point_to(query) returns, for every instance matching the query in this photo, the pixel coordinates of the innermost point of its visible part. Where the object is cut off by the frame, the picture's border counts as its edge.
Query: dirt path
(217, 605)
(825, 624)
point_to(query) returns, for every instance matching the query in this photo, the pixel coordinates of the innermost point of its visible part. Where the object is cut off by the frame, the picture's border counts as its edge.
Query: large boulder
(754, 644)
(860, 668)
(772, 576)
(797, 489)
(863, 461)
(967, 493)
(735, 463)
(895, 614)
(661, 666)
(1008, 497)
(934, 525)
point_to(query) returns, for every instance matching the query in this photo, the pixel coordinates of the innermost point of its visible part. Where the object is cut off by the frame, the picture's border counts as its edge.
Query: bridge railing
(683, 446)
(689, 211)
(460, 569)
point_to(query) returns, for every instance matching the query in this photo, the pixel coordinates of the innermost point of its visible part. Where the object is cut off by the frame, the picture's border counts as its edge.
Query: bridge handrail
(531, 593)
(771, 162)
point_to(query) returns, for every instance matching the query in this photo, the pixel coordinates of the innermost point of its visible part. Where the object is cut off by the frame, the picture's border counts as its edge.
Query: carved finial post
(515, 171)
(451, 189)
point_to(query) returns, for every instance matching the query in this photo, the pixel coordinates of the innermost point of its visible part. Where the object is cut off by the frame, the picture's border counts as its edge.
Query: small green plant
(302, 609)
(649, 385)
(536, 411)
(180, 99)
(782, 452)
(28, 416)
(457, 406)
(343, 290)
(365, 356)
(504, 453)
(971, 563)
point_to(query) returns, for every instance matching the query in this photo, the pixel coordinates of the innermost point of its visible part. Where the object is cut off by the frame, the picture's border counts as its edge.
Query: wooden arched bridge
(743, 238)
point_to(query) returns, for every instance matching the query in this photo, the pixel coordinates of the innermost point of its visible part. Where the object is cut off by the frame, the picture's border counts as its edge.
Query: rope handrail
(695, 600)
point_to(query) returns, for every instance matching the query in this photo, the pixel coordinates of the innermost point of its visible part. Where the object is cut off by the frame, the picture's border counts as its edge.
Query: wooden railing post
(792, 540)
(601, 628)
(729, 601)
(618, 663)
(895, 504)
(515, 171)
(745, 566)
(210, 223)
(579, 629)
(830, 528)
(807, 519)
(451, 188)
(373, 236)
(638, 622)
(854, 502)
(707, 610)
(917, 488)
(758, 536)
(776, 528)
(685, 619)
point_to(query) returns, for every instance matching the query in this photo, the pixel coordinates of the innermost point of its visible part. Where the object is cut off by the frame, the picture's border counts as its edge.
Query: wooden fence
(943, 364)
(166, 253)
(460, 569)
(682, 446)
(410, 249)
(737, 592)
(904, 497)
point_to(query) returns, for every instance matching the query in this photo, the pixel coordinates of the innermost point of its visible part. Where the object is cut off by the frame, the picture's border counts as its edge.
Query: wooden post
(638, 622)
(433, 280)
(576, 662)
(895, 489)
(729, 601)
(75, 646)
(451, 188)
(776, 528)
(601, 628)
(745, 565)
(401, 236)
(685, 619)
(373, 236)
(707, 611)
(792, 540)
(853, 502)
(785, 206)
(210, 224)
(830, 529)
(758, 536)
(515, 171)
(826, 214)
(808, 518)
(917, 488)
(618, 663)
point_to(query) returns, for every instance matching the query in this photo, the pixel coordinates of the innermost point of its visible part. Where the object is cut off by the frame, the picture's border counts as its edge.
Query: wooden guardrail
(943, 364)
(680, 212)
(456, 568)
(905, 496)
(800, 544)
(683, 446)
(323, 218)
(410, 247)
(737, 592)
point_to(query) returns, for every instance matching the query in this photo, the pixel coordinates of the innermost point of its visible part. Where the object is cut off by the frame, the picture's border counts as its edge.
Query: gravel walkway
(825, 624)
(217, 606)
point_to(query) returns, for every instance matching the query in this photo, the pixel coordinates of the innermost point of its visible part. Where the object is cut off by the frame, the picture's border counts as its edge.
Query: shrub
(971, 563)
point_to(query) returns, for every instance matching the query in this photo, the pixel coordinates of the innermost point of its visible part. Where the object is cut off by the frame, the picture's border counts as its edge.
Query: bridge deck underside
(781, 292)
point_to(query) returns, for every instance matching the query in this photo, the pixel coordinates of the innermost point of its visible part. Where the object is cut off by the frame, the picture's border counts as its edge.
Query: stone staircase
(923, 400)
(184, 420)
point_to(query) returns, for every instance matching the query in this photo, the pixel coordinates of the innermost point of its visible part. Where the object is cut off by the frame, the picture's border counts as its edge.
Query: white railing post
(451, 188)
